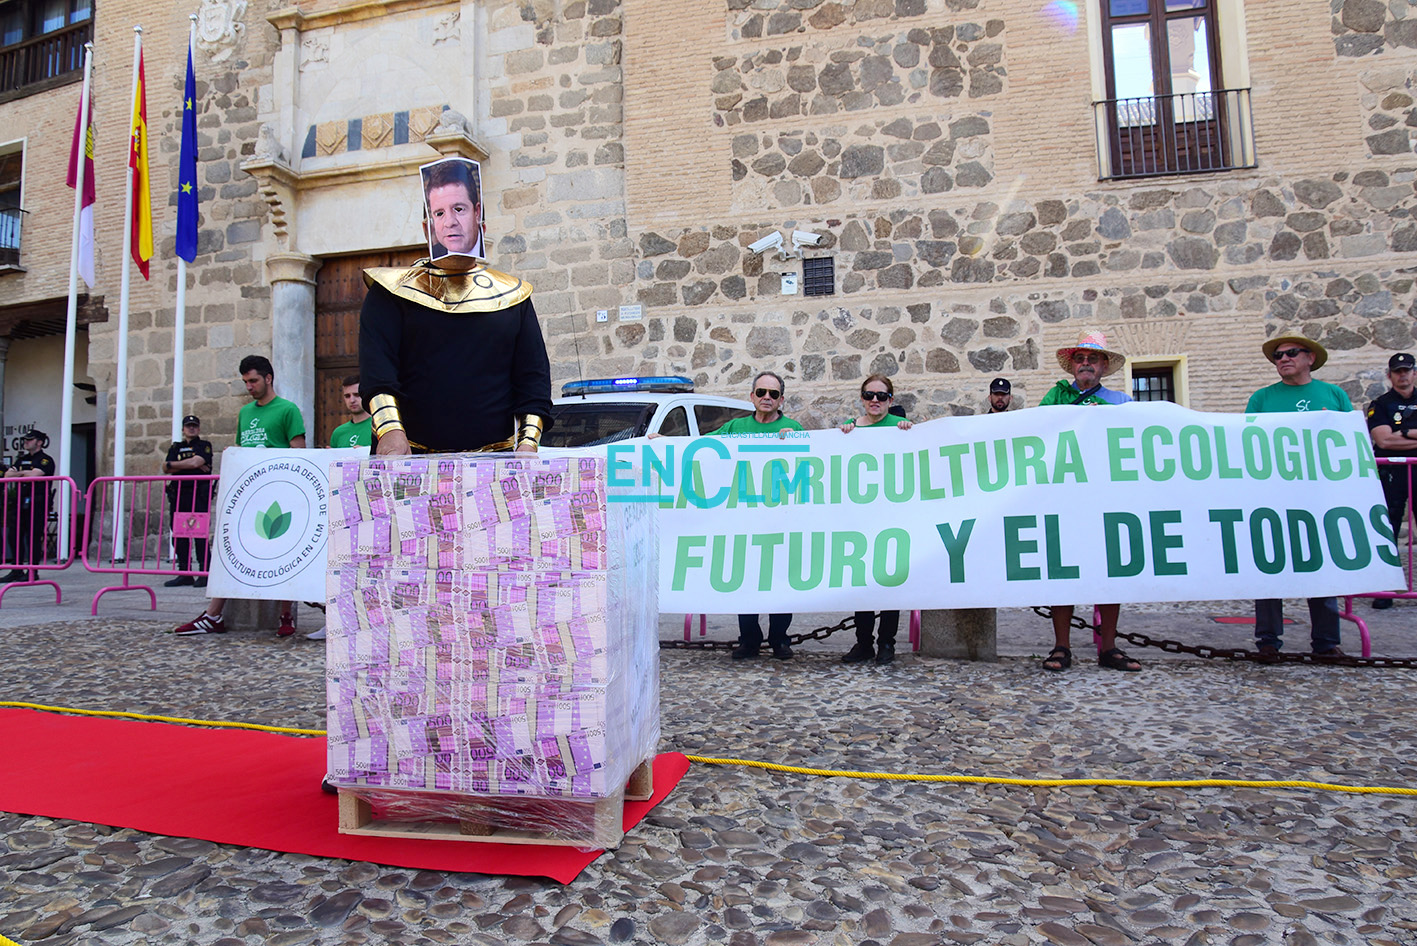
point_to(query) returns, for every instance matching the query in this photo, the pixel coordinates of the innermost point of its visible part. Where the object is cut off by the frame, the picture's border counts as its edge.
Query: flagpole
(71, 324)
(120, 404)
(179, 338)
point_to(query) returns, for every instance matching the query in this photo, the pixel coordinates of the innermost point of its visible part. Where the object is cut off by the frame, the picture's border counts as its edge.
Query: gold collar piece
(479, 289)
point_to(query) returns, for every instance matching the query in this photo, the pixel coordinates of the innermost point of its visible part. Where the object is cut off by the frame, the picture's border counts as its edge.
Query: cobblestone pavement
(741, 856)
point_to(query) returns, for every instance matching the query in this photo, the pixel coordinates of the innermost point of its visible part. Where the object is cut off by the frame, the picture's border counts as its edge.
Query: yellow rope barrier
(5, 941)
(164, 719)
(1062, 782)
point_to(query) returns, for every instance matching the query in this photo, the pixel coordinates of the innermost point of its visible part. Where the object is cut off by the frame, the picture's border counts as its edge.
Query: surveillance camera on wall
(801, 238)
(773, 241)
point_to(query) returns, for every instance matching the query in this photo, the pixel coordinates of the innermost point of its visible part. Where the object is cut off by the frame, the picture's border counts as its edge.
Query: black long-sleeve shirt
(459, 378)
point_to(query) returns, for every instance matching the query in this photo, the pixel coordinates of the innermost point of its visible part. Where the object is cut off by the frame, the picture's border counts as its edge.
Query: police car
(603, 411)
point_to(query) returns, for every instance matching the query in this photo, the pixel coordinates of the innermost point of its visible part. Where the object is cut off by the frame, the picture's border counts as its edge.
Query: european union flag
(187, 170)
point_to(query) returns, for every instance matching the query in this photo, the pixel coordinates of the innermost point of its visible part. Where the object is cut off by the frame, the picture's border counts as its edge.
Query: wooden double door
(339, 294)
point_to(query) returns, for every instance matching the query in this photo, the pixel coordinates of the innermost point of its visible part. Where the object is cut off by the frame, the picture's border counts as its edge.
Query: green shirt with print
(275, 424)
(750, 425)
(1314, 396)
(355, 433)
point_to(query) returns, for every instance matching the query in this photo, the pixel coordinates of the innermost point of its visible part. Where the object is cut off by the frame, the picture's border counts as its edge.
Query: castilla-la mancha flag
(138, 161)
(84, 135)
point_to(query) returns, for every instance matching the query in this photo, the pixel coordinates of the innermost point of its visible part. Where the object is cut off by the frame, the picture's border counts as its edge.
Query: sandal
(1115, 659)
(1058, 659)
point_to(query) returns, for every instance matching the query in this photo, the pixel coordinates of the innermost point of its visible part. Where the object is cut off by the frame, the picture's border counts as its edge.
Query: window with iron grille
(1165, 111)
(818, 276)
(42, 44)
(11, 170)
(1154, 384)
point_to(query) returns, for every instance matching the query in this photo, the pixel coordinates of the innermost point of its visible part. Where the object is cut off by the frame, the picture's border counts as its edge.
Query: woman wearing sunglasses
(877, 399)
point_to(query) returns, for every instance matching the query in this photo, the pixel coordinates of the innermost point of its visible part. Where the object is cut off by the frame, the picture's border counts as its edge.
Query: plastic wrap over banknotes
(492, 630)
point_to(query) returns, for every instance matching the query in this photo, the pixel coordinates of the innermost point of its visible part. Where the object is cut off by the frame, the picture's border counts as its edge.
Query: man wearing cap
(1295, 358)
(1089, 361)
(28, 518)
(1391, 419)
(1000, 396)
(190, 456)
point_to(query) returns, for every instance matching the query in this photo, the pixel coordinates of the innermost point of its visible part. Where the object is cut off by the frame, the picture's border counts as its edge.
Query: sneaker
(287, 625)
(316, 635)
(781, 652)
(1382, 604)
(204, 624)
(178, 582)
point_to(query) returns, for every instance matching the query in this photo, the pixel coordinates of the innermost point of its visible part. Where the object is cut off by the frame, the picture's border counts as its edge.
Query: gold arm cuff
(385, 411)
(386, 429)
(529, 429)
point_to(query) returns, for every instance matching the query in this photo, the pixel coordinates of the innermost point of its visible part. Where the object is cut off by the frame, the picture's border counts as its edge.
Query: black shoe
(744, 652)
(859, 653)
(1268, 653)
(201, 582)
(326, 787)
(178, 582)
(781, 652)
(13, 574)
(885, 654)
(1382, 604)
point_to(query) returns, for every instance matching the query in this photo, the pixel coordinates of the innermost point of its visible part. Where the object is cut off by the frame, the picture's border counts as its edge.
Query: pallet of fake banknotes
(491, 647)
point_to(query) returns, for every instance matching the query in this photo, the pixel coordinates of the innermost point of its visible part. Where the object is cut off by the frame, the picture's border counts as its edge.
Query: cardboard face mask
(452, 208)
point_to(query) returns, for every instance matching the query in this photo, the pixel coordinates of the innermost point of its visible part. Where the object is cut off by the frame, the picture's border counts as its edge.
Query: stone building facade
(944, 153)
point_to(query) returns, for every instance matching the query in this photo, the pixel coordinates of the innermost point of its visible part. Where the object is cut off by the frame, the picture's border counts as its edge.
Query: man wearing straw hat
(1089, 361)
(1295, 358)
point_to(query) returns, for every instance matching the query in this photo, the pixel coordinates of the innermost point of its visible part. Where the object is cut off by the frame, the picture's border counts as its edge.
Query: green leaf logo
(272, 524)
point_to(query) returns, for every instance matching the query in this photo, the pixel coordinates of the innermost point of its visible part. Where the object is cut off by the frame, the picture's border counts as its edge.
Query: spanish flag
(138, 161)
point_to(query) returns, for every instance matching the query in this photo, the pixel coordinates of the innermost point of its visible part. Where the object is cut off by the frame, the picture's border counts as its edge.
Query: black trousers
(750, 632)
(190, 497)
(1395, 492)
(890, 623)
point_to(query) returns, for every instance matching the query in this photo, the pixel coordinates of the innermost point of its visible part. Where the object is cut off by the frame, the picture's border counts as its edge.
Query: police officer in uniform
(190, 456)
(27, 505)
(1391, 419)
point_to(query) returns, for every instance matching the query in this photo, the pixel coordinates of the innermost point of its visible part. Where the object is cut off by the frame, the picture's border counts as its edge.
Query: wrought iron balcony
(10, 218)
(1185, 133)
(44, 57)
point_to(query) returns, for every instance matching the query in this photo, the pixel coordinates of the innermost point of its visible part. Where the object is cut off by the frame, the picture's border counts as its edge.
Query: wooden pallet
(590, 823)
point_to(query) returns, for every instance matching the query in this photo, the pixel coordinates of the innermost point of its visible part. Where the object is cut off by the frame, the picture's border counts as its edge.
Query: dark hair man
(358, 431)
(1000, 396)
(1390, 421)
(453, 203)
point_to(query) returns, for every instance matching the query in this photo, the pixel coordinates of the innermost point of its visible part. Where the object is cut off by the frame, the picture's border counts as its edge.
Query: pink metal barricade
(32, 510)
(136, 522)
(1407, 469)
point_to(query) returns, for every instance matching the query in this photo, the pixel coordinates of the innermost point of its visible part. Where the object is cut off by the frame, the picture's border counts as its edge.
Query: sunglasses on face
(1087, 359)
(876, 395)
(767, 392)
(1289, 353)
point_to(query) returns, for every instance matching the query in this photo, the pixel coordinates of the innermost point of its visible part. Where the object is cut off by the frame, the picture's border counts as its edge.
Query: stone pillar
(962, 634)
(292, 277)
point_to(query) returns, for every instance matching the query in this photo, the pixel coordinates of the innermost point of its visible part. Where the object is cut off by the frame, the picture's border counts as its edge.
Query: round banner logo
(274, 521)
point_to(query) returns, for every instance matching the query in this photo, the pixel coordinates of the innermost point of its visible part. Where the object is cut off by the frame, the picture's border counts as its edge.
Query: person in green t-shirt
(767, 397)
(359, 430)
(1295, 358)
(268, 421)
(877, 395)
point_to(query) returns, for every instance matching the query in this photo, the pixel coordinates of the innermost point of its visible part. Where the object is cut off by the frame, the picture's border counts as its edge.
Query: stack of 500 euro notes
(491, 627)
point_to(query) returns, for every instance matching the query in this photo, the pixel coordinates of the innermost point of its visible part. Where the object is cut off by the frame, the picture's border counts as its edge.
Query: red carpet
(252, 789)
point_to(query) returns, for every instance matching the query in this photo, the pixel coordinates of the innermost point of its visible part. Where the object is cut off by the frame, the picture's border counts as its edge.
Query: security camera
(773, 241)
(801, 238)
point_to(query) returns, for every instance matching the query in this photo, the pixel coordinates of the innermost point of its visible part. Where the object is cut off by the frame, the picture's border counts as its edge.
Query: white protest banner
(1137, 502)
(272, 523)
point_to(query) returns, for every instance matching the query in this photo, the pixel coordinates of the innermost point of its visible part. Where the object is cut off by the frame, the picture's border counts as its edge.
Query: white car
(604, 411)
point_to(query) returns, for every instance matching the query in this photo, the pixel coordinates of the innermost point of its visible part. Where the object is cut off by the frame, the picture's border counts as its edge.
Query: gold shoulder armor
(480, 289)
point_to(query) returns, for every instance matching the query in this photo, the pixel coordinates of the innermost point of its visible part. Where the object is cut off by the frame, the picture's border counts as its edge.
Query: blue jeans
(1323, 623)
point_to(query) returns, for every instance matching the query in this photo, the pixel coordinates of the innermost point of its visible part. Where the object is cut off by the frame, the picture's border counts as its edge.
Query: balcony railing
(10, 218)
(1186, 133)
(44, 57)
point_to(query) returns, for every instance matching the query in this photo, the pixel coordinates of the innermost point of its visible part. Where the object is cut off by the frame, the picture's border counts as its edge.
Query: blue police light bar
(664, 384)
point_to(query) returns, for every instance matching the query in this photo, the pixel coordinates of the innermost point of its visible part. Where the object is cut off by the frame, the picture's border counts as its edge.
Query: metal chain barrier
(1235, 653)
(847, 623)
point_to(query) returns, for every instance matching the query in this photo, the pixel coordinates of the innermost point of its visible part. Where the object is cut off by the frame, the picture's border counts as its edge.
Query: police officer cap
(191, 420)
(1402, 359)
(35, 434)
(999, 386)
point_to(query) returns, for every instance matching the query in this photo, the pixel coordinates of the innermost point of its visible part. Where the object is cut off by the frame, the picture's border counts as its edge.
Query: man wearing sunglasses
(767, 396)
(1295, 358)
(1390, 421)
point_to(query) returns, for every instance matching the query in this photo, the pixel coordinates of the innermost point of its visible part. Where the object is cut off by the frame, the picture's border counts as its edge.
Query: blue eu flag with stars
(187, 170)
